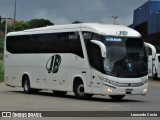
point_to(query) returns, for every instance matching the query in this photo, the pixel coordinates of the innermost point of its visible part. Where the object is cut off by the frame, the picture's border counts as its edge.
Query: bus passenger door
(95, 61)
(97, 67)
(96, 82)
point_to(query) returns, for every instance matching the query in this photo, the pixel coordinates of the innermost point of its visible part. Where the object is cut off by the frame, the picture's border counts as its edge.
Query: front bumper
(109, 89)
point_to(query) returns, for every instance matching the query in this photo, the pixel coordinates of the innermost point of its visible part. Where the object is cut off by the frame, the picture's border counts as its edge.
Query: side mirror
(152, 48)
(102, 47)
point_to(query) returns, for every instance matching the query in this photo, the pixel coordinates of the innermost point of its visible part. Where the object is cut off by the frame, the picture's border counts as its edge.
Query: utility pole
(14, 14)
(6, 27)
(114, 19)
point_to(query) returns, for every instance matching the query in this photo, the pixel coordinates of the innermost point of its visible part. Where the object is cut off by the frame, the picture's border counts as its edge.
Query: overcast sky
(67, 11)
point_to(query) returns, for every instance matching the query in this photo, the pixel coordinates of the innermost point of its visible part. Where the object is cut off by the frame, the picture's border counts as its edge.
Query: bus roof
(104, 29)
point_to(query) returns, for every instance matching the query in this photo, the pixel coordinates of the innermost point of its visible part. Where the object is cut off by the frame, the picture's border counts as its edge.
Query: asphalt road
(13, 99)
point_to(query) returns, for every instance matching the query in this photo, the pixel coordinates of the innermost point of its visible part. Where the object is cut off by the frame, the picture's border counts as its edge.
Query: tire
(26, 86)
(80, 92)
(155, 76)
(59, 93)
(89, 96)
(116, 97)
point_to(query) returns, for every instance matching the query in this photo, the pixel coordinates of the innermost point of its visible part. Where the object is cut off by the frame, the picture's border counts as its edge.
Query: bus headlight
(109, 90)
(145, 90)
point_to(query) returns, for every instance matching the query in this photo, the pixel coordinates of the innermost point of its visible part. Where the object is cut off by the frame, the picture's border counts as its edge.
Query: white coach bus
(86, 59)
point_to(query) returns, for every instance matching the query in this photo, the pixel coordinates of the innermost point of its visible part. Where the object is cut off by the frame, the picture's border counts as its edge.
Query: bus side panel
(75, 68)
(16, 65)
(13, 72)
(71, 65)
(44, 80)
(12, 76)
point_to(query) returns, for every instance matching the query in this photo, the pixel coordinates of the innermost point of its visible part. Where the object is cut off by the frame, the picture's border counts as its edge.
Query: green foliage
(1, 42)
(19, 26)
(76, 22)
(1, 46)
(10, 28)
(1, 71)
(22, 25)
(2, 26)
(35, 23)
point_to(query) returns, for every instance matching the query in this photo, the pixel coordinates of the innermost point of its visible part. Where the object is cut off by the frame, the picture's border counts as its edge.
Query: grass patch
(1, 47)
(1, 71)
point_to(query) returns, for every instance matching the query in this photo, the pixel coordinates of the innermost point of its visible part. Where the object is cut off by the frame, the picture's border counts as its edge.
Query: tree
(3, 26)
(35, 23)
(76, 22)
(10, 27)
(21, 25)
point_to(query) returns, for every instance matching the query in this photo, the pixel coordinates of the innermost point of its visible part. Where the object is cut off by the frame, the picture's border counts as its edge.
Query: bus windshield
(125, 57)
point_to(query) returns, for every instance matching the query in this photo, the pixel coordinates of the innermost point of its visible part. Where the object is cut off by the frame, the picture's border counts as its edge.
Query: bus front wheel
(80, 92)
(116, 97)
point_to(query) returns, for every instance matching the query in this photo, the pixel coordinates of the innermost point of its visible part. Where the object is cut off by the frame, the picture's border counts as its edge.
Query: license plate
(129, 90)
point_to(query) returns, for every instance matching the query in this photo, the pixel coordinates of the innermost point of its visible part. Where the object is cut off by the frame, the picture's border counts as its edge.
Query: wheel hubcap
(80, 90)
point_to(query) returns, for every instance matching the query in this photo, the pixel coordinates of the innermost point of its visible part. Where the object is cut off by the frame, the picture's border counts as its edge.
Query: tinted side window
(14, 44)
(24, 43)
(45, 43)
(42, 43)
(75, 44)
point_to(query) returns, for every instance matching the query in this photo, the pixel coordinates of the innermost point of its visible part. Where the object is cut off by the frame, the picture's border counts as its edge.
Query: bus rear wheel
(26, 85)
(116, 97)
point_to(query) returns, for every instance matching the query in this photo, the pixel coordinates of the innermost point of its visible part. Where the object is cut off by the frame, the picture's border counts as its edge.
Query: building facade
(10, 20)
(146, 20)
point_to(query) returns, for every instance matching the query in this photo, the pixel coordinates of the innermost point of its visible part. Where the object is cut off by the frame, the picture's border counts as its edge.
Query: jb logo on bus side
(53, 64)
